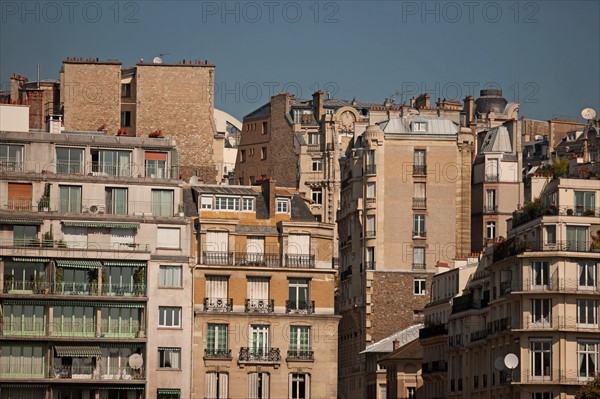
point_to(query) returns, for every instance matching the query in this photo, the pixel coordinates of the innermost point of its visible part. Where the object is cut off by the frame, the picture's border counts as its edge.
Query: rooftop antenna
(38, 76)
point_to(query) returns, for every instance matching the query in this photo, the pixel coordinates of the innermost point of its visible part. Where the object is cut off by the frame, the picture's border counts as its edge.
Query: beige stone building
(542, 302)
(405, 206)
(95, 268)
(264, 321)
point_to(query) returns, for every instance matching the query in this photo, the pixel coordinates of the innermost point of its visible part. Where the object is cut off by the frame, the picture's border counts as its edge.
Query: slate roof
(386, 345)
(404, 125)
(497, 140)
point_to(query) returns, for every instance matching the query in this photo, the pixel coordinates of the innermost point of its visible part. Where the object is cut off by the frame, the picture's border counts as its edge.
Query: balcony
(300, 261)
(218, 304)
(418, 266)
(217, 258)
(313, 148)
(74, 245)
(259, 305)
(468, 302)
(300, 355)
(419, 234)
(419, 203)
(95, 373)
(419, 170)
(71, 288)
(512, 247)
(370, 233)
(259, 356)
(11, 166)
(490, 209)
(555, 284)
(257, 259)
(438, 366)
(300, 307)
(371, 169)
(217, 354)
(433, 331)
(491, 178)
(479, 335)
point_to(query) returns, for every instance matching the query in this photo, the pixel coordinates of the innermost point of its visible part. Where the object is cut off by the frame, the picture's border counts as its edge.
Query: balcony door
(255, 248)
(259, 340)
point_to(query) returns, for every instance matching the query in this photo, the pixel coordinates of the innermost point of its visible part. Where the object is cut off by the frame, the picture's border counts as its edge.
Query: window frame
(163, 317)
(282, 208)
(162, 276)
(420, 286)
(163, 359)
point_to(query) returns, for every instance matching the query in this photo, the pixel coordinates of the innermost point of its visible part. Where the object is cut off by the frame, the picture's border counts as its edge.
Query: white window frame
(297, 379)
(206, 201)
(165, 355)
(541, 312)
(419, 126)
(247, 204)
(543, 273)
(587, 352)
(168, 273)
(587, 313)
(172, 312)
(317, 196)
(587, 275)
(282, 205)
(490, 230)
(227, 203)
(546, 368)
(317, 165)
(420, 286)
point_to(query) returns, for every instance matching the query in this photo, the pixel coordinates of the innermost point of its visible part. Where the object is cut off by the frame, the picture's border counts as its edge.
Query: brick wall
(178, 99)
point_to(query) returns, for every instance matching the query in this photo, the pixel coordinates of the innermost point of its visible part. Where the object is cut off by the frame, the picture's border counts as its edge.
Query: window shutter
(299, 244)
(258, 288)
(211, 385)
(217, 241)
(216, 287)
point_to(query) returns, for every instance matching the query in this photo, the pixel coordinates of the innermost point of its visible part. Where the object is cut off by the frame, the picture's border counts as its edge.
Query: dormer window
(571, 136)
(283, 205)
(206, 202)
(419, 126)
(248, 204)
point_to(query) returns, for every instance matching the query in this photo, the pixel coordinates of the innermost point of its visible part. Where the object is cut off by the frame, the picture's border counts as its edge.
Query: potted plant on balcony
(60, 273)
(48, 240)
(595, 246)
(140, 279)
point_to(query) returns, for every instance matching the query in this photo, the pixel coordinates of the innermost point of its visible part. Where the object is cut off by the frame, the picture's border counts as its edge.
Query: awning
(124, 263)
(31, 260)
(79, 264)
(78, 351)
(22, 221)
(26, 302)
(119, 304)
(104, 225)
(168, 391)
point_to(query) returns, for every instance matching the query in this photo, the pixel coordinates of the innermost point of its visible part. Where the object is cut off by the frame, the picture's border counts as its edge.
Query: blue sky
(544, 54)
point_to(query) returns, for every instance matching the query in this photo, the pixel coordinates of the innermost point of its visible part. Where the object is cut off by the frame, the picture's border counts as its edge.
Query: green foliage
(590, 391)
(560, 167)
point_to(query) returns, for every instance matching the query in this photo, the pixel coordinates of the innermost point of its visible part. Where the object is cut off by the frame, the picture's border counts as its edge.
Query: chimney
(396, 345)
(423, 101)
(36, 108)
(469, 108)
(318, 105)
(268, 191)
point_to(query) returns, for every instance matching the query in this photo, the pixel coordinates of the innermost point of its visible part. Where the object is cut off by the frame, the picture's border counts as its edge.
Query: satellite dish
(136, 361)
(157, 60)
(511, 361)
(499, 364)
(588, 113)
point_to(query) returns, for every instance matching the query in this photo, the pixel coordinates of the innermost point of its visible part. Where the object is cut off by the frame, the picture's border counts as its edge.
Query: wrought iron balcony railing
(419, 203)
(260, 305)
(371, 169)
(300, 354)
(217, 353)
(218, 304)
(419, 170)
(301, 307)
(259, 355)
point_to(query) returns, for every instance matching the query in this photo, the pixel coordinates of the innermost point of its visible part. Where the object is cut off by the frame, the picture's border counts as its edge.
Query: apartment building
(541, 304)
(264, 320)
(94, 269)
(405, 205)
(446, 284)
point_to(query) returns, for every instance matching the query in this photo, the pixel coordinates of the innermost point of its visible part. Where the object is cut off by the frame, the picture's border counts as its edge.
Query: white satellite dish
(157, 60)
(511, 361)
(588, 113)
(136, 361)
(499, 364)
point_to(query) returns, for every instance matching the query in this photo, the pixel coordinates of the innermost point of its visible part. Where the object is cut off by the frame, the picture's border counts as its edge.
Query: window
(317, 165)
(371, 226)
(542, 395)
(162, 203)
(541, 311)
(217, 344)
(298, 297)
(587, 312)
(242, 155)
(299, 386)
(490, 201)
(258, 294)
(69, 160)
(419, 158)
(587, 275)
(551, 234)
(541, 359)
(23, 320)
(577, 238)
(490, 230)
(217, 385)
(265, 126)
(216, 293)
(168, 393)
(419, 226)
(121, 322)
(169, 358)
(585, 203)
(259, 340)
(371, 191)
(299, 342)
(155, 164)
(540, 273)
(206, 202)
(419, 258)
(419, 286)
(116, 201)
(263, 153)
(20, 196)
(11, 158)
(126, 90)
(419, 126)
(587, 355)
(70, 199)
(420, 191)
(167, 237)
(111, 162)
(491, 170)
(255, 249)
(24, 235)
(22, 361)
(313, 138)
(125, 118)
(169, 316)
(258, 385)
(370, 261)
(227, 203)
(317, 196)
(170, 276)
(411, 392)
(247, 204)
(283, 205)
